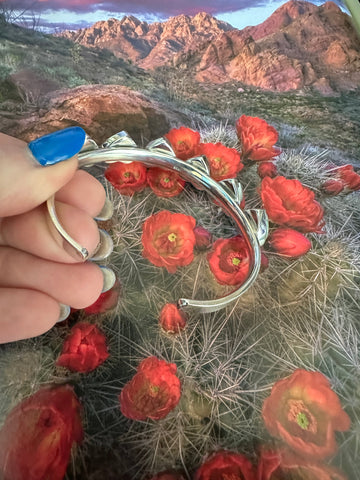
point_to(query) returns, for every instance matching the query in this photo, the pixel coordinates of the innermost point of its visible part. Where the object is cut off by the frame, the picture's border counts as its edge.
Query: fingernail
(105, 247)
(109, 278)
(64, 312)
(58, 146)
(106, 212)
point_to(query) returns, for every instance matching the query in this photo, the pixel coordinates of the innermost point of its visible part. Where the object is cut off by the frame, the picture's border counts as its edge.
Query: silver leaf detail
(89, 145)
(161, 145)
(234, 188)
(200, 163)
(260, 222)
(120, 139)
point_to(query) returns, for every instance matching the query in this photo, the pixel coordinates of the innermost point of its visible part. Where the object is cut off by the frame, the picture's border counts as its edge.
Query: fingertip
(55, 147)
(24, 183)
(90, 290)
(25, 314)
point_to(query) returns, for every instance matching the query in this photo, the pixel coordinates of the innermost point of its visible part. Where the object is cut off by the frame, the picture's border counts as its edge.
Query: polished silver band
(253, 224)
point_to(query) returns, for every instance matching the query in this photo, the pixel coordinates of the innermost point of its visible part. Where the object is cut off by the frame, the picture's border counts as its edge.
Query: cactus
(300, 313)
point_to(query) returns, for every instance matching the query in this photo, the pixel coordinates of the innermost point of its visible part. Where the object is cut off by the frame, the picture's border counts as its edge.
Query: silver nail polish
(106, 212)
(105, 247)
(64, 312)
(109, 278)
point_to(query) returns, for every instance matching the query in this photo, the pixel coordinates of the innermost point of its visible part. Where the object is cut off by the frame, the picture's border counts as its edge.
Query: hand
(36, 273)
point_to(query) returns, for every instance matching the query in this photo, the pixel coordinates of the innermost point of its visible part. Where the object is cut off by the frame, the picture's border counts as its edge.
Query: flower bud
(84, 349)
(203, 238)
(172, 320)
(349, 177)
(289, 242)
(332, 187)
(267, 169)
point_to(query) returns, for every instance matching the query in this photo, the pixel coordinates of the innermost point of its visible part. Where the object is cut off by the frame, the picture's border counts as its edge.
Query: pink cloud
(157, 7)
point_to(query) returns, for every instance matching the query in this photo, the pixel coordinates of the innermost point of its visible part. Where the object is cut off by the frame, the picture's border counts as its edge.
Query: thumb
(30, 174)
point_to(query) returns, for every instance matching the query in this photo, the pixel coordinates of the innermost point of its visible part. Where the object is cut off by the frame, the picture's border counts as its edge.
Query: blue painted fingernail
(58, 146)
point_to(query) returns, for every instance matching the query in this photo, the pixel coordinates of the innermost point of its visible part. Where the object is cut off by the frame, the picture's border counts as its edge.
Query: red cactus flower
(84, 349)
(289, 203)
(289, 242)
(257, 138)
(224, 162)
(38, 434)
(127, 178)
(276, 464)
(168, 240)
(224, 465)
(165, 183)
(304, 412)
(229, 260)
(184, 142)
(153, 392)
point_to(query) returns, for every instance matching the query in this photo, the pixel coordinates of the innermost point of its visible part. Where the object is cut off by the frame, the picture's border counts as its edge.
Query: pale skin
(36, 273)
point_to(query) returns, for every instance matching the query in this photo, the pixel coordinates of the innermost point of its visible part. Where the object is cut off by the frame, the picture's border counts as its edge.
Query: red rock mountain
(150, 45)
(281, 18)
(299, 45)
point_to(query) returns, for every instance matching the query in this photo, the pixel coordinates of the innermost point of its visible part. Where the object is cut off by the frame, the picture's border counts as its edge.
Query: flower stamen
(301, 415)
(302, 420)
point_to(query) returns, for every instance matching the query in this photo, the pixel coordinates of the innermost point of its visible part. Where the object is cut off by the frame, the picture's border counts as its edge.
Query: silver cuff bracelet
(253, 224)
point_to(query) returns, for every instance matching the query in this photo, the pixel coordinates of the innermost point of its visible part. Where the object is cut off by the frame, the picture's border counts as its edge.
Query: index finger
(25, 182)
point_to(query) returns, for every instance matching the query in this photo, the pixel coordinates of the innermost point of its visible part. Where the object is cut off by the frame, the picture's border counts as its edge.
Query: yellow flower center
(154, 389)
(236, 261)
(302, 420)
(171, 237)
(299, 413)
(127, 174)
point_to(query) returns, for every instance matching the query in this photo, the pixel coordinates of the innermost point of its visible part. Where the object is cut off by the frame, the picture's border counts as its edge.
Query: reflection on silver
(260, 222)
(253, 225)
(121, 139)
(81, 252)
(234, 188)
(200, 163)
(160, 145)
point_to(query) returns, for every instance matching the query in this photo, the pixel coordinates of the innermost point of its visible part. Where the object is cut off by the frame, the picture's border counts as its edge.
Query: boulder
(101, 110)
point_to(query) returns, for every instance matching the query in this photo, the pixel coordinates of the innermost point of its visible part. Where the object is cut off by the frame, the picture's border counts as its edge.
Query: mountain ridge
(300, 45)
(134, 40)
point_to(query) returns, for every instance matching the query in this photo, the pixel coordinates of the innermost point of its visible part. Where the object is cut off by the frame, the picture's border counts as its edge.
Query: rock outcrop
(101, 110)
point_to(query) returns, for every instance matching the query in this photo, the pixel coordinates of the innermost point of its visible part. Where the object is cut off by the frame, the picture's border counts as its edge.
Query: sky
(73, 14)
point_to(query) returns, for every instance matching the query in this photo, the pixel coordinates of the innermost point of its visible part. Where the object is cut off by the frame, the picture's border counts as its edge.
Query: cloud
(156, 7)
